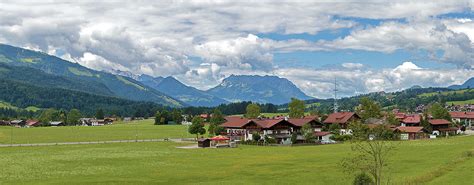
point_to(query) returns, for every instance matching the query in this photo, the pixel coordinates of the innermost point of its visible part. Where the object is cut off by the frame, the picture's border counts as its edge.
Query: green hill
(84, 79)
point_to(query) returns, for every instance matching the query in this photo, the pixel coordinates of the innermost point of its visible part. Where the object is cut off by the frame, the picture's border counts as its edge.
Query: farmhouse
(441, 126)
(410, 133)
(20, 123)
(56, 123)
(32, 123)
(343, 119)
(239, 128)
(4, 123)
(410, 120)
(465, 118)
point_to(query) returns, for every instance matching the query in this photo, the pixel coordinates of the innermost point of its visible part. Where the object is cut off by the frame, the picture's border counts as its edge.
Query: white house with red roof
(467, 118)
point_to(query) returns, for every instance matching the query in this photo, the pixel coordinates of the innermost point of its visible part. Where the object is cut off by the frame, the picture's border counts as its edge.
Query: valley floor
(440, 161)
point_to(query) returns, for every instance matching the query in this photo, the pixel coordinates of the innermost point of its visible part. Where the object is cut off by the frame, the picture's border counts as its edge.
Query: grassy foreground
(119, 131)
(440, 161)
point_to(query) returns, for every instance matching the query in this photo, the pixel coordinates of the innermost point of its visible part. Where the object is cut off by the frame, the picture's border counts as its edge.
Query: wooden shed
(204, 143)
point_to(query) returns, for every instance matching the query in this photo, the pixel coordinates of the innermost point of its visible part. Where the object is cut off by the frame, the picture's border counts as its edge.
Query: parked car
(328, 142)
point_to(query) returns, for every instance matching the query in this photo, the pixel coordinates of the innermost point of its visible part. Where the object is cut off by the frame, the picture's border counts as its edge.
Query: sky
(368, 46)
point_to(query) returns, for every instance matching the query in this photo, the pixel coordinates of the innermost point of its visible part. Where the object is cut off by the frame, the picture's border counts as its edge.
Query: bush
(338, 137)
(294, 137)
(256, 136)
(363, 179)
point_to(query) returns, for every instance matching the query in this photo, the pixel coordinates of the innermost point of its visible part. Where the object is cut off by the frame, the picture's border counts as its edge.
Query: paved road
(99, 142)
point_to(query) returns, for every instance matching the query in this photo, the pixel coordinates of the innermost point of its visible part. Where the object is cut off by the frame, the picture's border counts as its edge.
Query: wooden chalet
(239, 128)
(411, 120)
(465, 118)
(442, 126)
(410, 133)
(341, 118)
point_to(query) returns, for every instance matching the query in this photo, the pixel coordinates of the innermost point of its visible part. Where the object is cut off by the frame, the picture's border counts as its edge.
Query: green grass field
(440, 161)
(471, 101)
(118, 131)
(445, 92)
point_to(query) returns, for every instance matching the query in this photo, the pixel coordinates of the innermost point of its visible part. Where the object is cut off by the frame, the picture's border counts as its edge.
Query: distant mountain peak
(256, 88)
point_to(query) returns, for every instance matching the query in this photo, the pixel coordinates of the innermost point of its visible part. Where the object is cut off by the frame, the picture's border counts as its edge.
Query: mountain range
(43, 70)
(468, 84)
(261, 89)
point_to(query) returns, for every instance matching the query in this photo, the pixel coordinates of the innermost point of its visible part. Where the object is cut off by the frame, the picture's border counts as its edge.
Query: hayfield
(118, 131)
(440, 161)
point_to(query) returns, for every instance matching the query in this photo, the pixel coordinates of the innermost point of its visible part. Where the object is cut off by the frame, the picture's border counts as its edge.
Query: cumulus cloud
(320, 82)
(202, 42)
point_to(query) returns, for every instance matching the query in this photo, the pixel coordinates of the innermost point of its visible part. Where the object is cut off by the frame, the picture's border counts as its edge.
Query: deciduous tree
(197, 127)
(253, 111)
(296, 108)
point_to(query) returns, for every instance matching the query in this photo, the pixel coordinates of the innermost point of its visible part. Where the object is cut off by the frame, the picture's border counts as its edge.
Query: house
(343, 119)
(32, 123)
(411, 120)
(56, 123)
(466, 118)
(20, 123)
(239, 128)
(4, 123)
(204, 143)
(442, 126)
(323, 136)
(410, 133)
(95, 122)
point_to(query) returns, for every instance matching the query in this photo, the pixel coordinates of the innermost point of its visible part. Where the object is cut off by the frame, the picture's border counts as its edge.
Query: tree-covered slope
(118, 86)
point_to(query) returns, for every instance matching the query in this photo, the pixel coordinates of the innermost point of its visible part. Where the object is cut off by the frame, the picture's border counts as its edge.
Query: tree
(252, 111)
(368, 109)
(216, 120)
(157, 118)
(99, 114)
(177, 116)
(294, 137)
(256, 136)
(48, 115)
(370, 156)
(296, 108)
(308, 132)
(73, 117)
(334, 128)
(197, 126)
(425, 124)
(391, 119)
(439, 112)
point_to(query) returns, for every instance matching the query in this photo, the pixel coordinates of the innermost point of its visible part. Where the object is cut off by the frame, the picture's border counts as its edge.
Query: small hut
(204, 143)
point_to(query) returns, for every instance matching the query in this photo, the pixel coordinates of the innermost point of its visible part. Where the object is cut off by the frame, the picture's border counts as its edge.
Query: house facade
(239, 128)
(465, 118)
(343, 119)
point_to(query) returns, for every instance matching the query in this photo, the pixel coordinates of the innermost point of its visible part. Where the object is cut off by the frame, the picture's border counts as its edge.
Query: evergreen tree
(99, 114)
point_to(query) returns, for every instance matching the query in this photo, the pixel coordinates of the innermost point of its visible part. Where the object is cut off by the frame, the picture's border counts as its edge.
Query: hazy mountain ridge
(262, 89)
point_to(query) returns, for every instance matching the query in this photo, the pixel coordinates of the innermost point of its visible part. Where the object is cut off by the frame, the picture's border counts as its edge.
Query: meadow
(439, 161)
(143, 129)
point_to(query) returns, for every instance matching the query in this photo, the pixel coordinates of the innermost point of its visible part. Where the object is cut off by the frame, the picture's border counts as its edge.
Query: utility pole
(335, 95)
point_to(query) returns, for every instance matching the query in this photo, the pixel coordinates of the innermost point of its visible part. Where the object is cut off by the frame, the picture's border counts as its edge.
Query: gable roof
(32, 122)
(302, 121)
(413, 118)
(235, 121)
(439, 122)
(410, 129)
(465, 115)
(340, 117)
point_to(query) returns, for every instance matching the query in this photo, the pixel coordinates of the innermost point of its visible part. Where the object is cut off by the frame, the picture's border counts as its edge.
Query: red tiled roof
(301, 121)
(438, 121)
(235, 121)
(414, 118)
(267, 123)
(465, 115)
(410, 129)
(32, 122)
(340, 117)
(321, 133)
(400, 115)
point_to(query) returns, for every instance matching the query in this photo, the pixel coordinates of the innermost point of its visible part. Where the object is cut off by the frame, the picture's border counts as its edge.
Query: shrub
(338, 137)
(256, 136)
(363, 179)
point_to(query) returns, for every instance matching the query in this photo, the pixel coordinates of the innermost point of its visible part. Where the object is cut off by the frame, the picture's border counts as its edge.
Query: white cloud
(202, 42)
